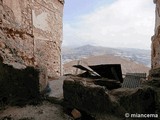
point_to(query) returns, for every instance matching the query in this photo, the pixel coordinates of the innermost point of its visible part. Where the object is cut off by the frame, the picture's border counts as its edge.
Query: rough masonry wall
(47, 30)
(16, 33)
(31, 34)
(156, 38)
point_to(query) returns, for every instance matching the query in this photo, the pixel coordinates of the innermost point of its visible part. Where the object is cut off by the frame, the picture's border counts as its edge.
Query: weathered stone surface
(156, 39)
(108, 83)
(97, 101)
(47, 31)
(89, 98)
(139, 100)
(154, 73)
(76, 114)
(31, 35)
(155, 84)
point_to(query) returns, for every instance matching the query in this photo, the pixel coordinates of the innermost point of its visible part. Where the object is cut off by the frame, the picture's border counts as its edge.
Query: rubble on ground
(95, 99)
(103, 93)
(44, 111)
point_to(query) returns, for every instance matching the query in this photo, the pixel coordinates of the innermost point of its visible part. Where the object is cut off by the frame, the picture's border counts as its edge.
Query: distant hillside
(131, 60)
(136, 55)
(127, 65)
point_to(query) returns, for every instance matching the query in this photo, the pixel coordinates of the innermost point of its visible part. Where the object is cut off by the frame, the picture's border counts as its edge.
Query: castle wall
(31, 34)
(47, 29)
(155, 58)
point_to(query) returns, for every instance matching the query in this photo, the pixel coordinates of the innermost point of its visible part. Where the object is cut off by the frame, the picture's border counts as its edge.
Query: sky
(109, 23)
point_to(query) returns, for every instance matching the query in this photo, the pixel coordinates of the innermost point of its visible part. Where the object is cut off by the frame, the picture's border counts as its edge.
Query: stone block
(76, 114)
(139, 100)
(88, 98)
(154, 73)
(96, 100)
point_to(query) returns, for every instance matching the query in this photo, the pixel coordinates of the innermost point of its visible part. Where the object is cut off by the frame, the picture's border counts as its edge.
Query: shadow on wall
(18, 86)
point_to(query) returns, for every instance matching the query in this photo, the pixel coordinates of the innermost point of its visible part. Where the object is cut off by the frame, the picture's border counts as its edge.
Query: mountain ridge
(137, 55)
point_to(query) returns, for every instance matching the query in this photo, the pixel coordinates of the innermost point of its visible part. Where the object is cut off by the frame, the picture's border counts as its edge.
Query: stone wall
(31, 34)
(156, 38)
(47, 30)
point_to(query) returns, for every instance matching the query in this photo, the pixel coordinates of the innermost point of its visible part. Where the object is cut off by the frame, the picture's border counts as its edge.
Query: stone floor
(57, 87)
(44, 111)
